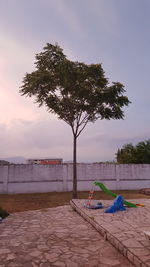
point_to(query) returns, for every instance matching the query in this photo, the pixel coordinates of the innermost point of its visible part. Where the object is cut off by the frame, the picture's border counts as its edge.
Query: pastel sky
(115, 33)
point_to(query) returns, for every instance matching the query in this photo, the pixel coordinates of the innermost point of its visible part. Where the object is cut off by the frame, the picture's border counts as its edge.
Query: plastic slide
(108, 192)
(118, 205)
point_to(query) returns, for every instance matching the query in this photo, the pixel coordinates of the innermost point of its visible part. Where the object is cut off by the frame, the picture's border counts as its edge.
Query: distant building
(4, 162)
(44, 161)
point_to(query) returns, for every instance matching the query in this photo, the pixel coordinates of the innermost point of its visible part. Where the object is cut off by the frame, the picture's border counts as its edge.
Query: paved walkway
(123, 229)
(54, 237)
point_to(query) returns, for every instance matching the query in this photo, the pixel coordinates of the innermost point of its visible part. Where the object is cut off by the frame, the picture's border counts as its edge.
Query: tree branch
(82, 128)
(83, 120)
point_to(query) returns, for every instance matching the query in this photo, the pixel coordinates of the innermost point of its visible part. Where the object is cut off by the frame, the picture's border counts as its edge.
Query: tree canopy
(139, 153)
(76, 92)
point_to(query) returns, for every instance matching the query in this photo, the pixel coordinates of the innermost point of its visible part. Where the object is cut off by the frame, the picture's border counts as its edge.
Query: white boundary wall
(24, 178)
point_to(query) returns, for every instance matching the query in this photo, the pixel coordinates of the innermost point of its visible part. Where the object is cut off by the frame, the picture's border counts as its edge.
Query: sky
(115, 33)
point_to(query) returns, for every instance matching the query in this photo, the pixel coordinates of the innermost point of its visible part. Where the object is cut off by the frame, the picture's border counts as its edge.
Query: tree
(76, 92)
(139, 153)
(143, 152)
(127, 154)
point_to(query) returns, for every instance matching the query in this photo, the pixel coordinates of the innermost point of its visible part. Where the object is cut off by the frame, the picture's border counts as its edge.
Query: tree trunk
(74, 195)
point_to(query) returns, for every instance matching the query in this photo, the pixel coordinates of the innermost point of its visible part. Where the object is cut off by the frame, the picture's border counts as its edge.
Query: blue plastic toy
(95, 207)
(116, 206)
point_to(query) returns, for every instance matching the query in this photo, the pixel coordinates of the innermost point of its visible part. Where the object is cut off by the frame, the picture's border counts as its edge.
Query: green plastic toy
(108, 192)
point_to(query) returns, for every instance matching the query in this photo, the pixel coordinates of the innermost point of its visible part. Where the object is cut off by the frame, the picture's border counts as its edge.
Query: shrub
(3, 213)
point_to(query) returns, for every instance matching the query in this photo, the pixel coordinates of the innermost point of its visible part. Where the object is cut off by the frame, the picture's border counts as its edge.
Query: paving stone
(145, 258)
(45, 264)
(42, 247)
(4, 251)
(55, 237)
(93, 263)
(51, 257)
(28, 264)
(122, 229)
(10, 257)
(137, 262)
(78, 250)
(132, 243)
(70, 263)
(108, 261)
(140, 251)
(60, 264)
(35, 253)
(121, 247)
(13, 264)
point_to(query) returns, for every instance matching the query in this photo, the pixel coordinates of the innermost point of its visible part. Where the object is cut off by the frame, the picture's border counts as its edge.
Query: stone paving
(123, 229)
(54, 237)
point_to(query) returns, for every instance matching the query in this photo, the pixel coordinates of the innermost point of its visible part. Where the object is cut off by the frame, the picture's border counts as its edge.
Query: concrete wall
(23, 178)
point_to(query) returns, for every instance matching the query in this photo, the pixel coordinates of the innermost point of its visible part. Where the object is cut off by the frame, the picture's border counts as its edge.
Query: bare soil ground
(23, 202)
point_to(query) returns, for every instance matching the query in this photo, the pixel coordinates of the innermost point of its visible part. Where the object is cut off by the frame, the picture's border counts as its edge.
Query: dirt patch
(23, 202)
